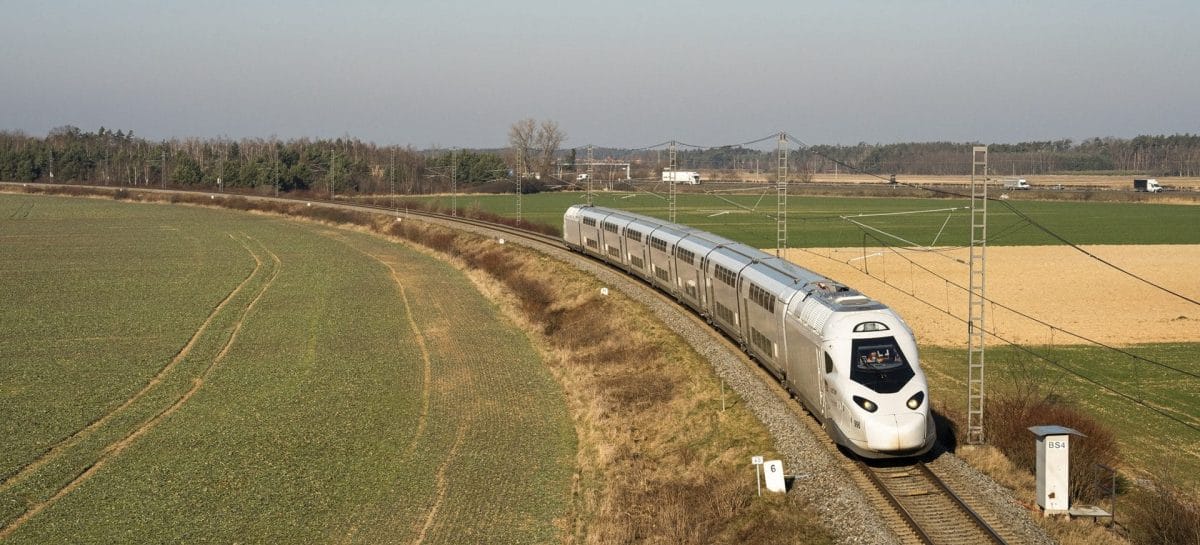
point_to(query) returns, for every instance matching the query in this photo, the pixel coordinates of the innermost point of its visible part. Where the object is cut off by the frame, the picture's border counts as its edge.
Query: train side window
(828, 363)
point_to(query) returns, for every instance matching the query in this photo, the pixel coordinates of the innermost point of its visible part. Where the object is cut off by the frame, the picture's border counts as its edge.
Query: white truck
(1016, 184)
(681, 176)
(1148, 185)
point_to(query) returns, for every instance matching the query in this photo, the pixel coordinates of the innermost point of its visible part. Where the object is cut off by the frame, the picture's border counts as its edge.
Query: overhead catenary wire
(1034, 319)
(1031, 352)
(1014, 210)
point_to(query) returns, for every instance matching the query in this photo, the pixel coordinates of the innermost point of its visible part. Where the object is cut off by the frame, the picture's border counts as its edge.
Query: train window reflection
(879, 365)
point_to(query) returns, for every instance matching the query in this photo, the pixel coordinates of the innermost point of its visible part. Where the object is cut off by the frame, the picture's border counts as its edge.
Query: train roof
(779, 270)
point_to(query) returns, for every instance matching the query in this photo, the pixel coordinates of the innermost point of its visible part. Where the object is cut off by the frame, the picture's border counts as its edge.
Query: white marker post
(757, 461)
(773, 473)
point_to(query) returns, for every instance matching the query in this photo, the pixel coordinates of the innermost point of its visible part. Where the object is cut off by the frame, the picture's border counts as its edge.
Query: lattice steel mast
(975, 303)
(590, 161)
(781, 196)
(671, 182)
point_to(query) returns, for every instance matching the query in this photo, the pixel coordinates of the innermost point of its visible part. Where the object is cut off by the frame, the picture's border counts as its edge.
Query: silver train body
(851, 360)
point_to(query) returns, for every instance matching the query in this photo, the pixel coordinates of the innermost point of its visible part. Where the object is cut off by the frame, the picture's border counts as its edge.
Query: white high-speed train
(851, 360)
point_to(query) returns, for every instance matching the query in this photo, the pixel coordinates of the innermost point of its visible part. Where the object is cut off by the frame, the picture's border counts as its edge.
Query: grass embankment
(658, 460)
(348, 389)
(1152, 444)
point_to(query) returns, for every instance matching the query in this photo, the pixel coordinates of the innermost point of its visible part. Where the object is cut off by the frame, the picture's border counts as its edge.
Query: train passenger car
(637, 244)
(612, 240)
(689, 268)
(851, 360)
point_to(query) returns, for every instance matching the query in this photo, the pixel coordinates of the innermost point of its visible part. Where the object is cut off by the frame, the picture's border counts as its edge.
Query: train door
(820, 371)
(835, 408)
(706, 289)
(743, 309)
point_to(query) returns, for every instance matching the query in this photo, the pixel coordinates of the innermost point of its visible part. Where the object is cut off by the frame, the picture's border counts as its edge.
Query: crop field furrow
(353, 390)
(114, 449)
(154, 381)
(426, 363)
(442, 484)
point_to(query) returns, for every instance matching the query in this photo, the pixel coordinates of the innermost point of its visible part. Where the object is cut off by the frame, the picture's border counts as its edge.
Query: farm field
(816, 222)
(192, 375)
(1076, 296)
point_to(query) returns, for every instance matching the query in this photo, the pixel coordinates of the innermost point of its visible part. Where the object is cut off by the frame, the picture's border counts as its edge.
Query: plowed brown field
(1057, 285)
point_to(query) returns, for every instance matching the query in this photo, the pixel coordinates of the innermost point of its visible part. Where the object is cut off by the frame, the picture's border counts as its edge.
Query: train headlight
(915, 401)
(866, 404)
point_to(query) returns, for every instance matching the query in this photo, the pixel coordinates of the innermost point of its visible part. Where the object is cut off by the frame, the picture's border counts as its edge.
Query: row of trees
(69, 154)
(1173, 155)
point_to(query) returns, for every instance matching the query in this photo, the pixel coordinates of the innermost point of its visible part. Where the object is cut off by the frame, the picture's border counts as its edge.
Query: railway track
(930, 511)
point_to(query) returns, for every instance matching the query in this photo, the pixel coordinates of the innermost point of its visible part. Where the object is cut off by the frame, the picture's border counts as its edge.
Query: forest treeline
(106, 157)
(347, 165)
(1173, 155)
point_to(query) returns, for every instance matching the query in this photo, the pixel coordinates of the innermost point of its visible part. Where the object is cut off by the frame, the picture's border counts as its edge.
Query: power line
(1020, 214)
(1032, 318)
(1028, 350)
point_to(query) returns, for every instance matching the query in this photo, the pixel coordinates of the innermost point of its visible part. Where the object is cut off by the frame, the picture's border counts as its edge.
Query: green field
(817, 221)
(178, 374)
(1150, 442)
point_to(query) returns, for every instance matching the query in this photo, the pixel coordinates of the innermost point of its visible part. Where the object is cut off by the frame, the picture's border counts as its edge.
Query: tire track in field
(422, 345)
(57, 449)
(116, 448)
(442, 483)
(426, 360)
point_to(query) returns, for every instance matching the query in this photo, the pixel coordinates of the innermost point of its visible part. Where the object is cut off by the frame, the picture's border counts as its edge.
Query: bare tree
(548, 138)
(521, 137)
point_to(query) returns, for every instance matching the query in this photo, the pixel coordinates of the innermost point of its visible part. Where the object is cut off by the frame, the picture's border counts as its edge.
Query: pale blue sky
(615, 73)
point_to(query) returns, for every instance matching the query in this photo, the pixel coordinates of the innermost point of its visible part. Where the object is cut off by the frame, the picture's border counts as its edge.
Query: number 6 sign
(773, 471)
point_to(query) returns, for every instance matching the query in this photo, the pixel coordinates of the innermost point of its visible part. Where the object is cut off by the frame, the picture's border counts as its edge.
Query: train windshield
(880, 365)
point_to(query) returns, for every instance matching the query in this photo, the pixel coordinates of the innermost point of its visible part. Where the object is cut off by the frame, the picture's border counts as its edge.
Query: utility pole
(975, 302)
(332, 168)
(393, 178)
(162, 179)
(275, 148)
(671, 183)
(520, 193)
(589, 176)
(781, 196)
(454, 182)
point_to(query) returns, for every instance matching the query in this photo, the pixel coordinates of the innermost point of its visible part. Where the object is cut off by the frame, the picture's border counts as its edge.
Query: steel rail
(912, 518)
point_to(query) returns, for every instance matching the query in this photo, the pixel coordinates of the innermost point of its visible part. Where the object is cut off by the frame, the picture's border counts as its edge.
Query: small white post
(758, 462)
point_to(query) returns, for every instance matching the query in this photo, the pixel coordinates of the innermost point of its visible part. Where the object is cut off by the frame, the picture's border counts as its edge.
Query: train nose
(892, 432)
